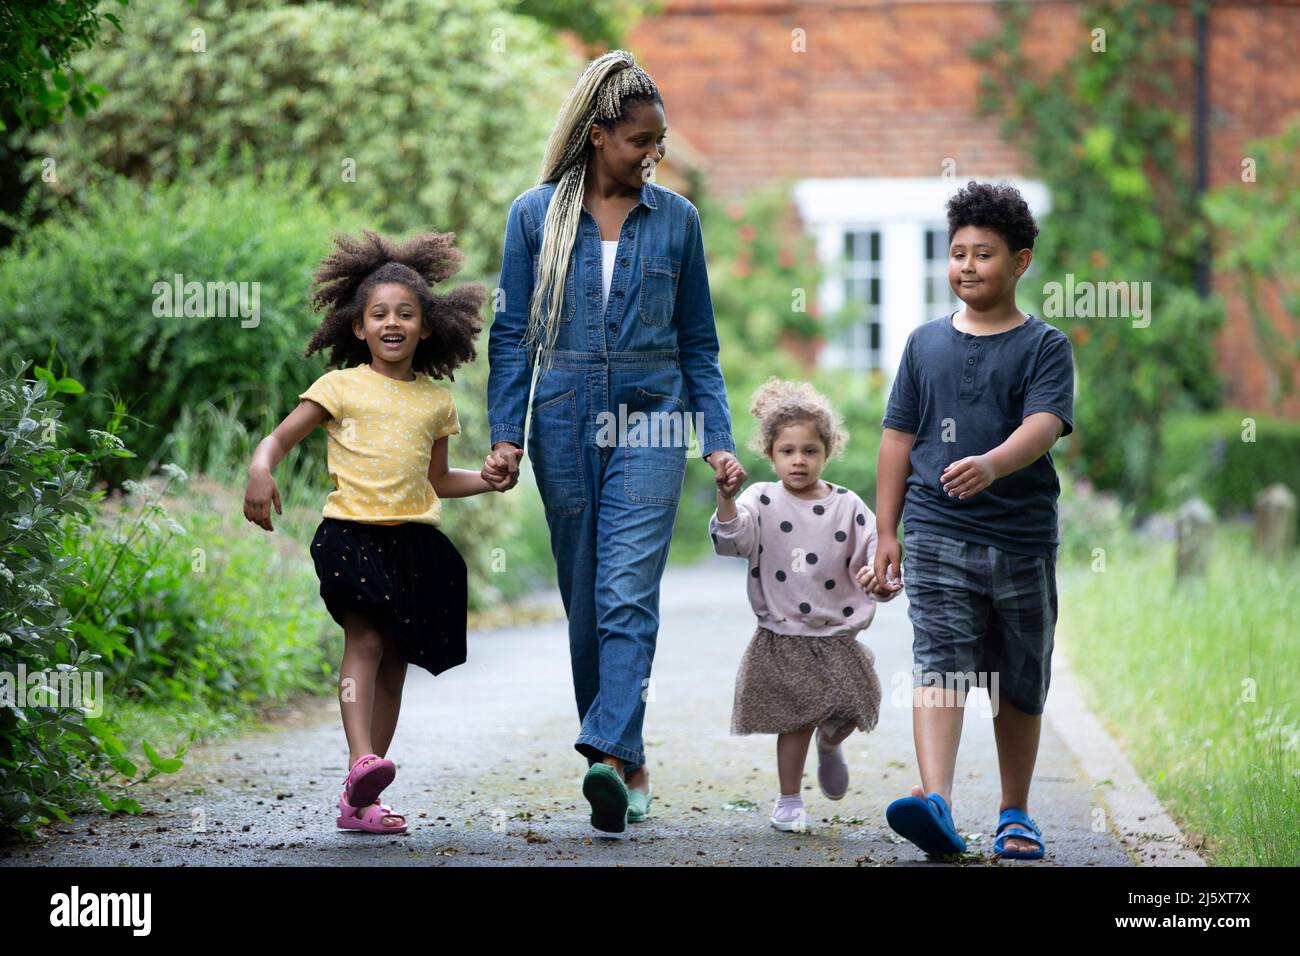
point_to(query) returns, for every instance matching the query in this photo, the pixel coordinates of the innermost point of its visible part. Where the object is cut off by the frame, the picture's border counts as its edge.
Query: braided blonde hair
(777, 403)
(598, 95)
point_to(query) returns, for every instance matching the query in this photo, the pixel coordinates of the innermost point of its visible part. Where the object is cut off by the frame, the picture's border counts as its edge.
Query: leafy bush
(67, 283)
(440, 130)
(36, 49)
(1089, 519)
(209, 613)
(1211, 456)
(1257, 222)
(52, 743)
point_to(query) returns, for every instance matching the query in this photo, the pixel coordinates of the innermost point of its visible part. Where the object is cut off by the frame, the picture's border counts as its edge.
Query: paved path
(487, 773)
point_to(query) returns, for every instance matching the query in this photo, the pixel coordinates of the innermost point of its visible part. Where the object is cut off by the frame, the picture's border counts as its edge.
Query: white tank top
(608, 250)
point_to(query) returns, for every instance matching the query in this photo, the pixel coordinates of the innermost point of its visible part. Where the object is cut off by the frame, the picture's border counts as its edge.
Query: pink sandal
(370, 819)
(367, 780)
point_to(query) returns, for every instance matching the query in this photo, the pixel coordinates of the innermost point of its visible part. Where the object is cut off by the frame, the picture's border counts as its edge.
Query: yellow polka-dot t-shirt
(381, 433)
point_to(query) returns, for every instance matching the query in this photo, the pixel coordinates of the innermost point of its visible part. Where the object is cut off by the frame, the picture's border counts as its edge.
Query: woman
(603, 278)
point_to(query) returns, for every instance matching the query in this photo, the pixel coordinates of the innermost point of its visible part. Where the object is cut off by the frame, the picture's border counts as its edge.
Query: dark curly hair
(998, 207)
(346, 277)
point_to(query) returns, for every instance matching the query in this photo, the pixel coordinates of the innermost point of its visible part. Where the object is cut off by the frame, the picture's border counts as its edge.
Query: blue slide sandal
(1013, 822)
(927, 823)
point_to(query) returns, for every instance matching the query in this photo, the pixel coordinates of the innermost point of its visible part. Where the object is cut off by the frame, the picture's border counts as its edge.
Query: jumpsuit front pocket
(556, 455)
(658, 289)
(656, 453)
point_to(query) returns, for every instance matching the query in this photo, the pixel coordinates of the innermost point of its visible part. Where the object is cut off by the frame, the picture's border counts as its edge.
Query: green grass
(1171, 673)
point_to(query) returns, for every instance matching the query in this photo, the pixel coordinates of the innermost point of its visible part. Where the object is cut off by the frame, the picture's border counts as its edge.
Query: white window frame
(902, 209)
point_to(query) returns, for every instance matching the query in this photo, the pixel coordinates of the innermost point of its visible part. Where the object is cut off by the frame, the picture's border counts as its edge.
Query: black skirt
(406, 578)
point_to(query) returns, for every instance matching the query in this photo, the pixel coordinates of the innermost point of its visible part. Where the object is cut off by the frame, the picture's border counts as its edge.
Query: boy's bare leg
(1017, 735)
(936, 731)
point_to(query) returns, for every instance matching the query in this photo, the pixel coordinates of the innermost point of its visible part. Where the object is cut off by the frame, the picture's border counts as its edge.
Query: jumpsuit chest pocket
(570, 290)
(658, 289)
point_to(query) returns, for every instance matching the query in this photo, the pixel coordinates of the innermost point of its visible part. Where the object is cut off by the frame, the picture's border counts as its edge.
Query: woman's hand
(501, 466)
(728, 473)
(260, 494)
(735, 477)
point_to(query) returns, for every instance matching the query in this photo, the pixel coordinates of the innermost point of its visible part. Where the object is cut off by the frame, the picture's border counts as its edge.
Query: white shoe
(791, 819)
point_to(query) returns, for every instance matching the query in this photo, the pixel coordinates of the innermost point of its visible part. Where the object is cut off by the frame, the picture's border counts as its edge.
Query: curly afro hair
(346, 277)
(778, 403)
(999, 207)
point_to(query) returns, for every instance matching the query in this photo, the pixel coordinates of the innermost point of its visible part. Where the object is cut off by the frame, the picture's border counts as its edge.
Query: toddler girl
(806, 540)
(388, 576)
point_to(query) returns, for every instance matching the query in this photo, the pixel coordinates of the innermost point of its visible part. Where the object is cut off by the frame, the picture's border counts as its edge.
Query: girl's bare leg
(388, 696)
(841, 734)
(367, 698)
(363, 649)
(791, 755)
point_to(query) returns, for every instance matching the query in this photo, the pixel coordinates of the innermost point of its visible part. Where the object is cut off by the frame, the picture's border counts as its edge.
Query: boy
(980, 398)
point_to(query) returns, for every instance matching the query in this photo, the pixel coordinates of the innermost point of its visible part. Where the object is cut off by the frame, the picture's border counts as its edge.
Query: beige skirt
(789, 683)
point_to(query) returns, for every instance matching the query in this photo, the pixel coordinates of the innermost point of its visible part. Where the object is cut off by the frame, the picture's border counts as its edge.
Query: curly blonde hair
(778, 403)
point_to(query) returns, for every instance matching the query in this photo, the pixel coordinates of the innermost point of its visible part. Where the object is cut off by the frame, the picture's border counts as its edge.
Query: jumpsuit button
(622, 262)
(619, 293)
(613, 326)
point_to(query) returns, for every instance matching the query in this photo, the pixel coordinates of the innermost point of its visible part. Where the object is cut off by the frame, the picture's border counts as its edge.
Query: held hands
(877, 578)
(260, 494)
(728, 473)
(501, 466)
(967, 477)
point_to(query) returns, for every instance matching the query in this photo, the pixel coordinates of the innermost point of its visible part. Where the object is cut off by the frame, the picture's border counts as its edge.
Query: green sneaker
(638, 805)
(605, 790)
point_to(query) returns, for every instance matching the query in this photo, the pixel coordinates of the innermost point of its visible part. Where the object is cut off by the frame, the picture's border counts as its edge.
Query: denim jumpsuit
(610, 495)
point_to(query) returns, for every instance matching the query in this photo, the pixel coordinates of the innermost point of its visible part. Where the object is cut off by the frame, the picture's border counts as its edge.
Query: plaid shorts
(979, 610)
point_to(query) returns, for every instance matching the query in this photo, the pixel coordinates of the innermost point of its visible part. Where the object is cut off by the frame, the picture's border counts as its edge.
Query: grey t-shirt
(963, 395)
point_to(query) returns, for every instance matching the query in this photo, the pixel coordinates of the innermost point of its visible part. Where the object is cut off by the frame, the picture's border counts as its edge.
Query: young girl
(807, 541)
(388, 576)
